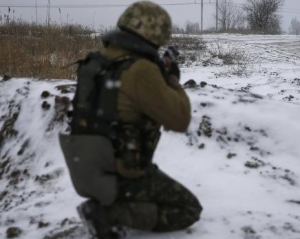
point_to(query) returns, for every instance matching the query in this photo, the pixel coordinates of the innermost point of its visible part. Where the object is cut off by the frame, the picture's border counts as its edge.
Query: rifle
(170, 58)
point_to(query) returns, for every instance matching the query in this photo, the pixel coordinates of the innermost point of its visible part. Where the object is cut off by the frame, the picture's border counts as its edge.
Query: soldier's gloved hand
(172, 52)
(174, 70)
(173, 82)
(171, 67)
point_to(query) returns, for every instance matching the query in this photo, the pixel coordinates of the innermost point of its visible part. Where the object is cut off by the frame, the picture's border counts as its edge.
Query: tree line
(255, 16)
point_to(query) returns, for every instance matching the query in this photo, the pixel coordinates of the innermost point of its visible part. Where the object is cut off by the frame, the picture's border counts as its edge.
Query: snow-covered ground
(240, 155)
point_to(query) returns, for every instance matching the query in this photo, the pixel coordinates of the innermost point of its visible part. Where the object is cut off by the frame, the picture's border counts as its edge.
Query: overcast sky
(107, 16)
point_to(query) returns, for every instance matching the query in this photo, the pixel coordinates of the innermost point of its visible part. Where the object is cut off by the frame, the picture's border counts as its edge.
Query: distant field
(38, 51)
(48, 52)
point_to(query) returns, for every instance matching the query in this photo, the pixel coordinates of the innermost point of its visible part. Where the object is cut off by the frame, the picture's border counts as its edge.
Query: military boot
(136, 215)
(96, 221)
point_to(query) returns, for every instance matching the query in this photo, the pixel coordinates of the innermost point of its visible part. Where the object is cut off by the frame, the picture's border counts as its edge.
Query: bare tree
(262, 15)
(230, 15)
(192, 28)
(295, 27)
(177, 29)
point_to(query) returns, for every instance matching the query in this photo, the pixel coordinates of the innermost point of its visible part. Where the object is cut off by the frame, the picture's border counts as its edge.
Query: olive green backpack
(88, 149)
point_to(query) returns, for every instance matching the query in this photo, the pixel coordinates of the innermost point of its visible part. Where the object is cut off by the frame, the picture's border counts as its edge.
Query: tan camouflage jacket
(144, 91)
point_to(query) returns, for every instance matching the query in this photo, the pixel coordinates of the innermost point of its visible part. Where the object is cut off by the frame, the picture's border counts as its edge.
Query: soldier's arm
(167, 104)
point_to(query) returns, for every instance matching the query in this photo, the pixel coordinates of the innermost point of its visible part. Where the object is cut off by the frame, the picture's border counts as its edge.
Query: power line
(290, 8)
(290, 11)
(94, 5)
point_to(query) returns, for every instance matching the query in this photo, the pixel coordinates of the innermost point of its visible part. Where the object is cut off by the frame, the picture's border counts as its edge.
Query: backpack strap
(109, 96)
(95, 101)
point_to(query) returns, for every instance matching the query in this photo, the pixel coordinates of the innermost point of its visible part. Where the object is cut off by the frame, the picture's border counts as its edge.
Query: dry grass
(47, 52)
(39, 51)
(189, 47)
(235, 60)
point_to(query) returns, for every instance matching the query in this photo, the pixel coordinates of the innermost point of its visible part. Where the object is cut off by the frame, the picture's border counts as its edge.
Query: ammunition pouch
(150, 140)
(91, 163)
(135, 149)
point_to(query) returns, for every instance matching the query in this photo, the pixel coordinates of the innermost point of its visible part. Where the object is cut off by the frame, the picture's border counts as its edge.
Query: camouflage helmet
(148, 20)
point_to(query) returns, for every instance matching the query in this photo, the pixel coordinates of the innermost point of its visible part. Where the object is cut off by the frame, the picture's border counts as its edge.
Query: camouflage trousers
(177, 207)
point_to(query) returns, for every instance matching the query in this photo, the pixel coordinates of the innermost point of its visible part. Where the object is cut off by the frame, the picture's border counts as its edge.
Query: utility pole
(49, 13)
(217, 14)
(201, 15)
(94, 21)
(36, 11)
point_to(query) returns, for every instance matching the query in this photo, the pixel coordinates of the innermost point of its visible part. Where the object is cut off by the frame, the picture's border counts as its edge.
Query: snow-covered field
(240, 156)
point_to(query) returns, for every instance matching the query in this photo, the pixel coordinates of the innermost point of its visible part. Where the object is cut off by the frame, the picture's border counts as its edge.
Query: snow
(246, 173)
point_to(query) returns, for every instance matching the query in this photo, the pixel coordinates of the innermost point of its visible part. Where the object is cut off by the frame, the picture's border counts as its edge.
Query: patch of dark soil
(15, 177)
(222, 131)
(254, 165)
(289, 179)
(246, 99)
(24, 147)
(260, 162)
(61, 110)
(42, 204)
(3, 194)
(66, 222)
(296, 81)
(262, 132)
(260, 151)
(206, 104)
(62, 103)
(280, 175)
(248, 230)
(222, 139)
(190, 231)
(290, 227)
(45, 94)
(288, 98)
(23, 91)
(65, 89)
(9, 221)
(190, 84)
(13, 232)
(203, 84)
(7, 130)
(246, 88)
(25, 172)
(5, 205)
(250, 233)
(63, 234)
(231, 155)
(45, 105)
(42, 224)
(205, 127)
(247, 128)
(5, 155)
(42, 179)
(15, 200)
(15, 174)
(6, 78)
(290, 201)
(4, 167)
(219, 97)
(247, 136)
